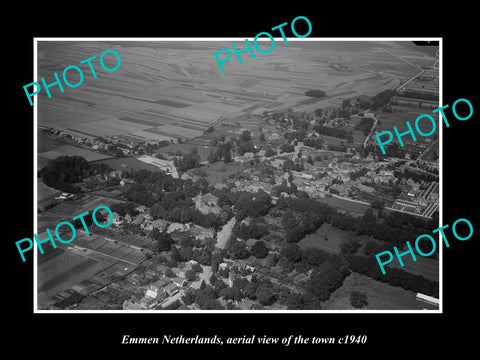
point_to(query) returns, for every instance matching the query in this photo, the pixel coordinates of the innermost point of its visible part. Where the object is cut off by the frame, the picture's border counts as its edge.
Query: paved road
(224, 234)
(204, 276)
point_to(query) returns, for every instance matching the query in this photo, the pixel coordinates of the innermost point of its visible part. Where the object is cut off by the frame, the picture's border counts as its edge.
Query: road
(204, 276)
(374, 126)
(409, 63)
(224, 234)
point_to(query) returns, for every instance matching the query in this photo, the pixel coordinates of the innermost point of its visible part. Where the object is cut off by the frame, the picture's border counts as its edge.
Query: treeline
(418, 95)
(396, 228)
(395, 277)
(416, 176)
(64, 172)
(331, 131)
(365, 125)
(315, 93)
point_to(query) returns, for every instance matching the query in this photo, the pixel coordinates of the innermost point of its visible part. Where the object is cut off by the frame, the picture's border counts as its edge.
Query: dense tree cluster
(314, 141)
(169, 198)
(252, 205)
(245, 143)
(188, 161)
(332, 131)
(253, 230)
(417, 176)
(298, 135)
(64, 172)
(365, 125)
(395, 277)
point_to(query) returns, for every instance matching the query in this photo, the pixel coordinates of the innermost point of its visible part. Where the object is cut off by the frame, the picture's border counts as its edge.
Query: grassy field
(129, 163)
(317, 240)
(218, 172)
(380, 296)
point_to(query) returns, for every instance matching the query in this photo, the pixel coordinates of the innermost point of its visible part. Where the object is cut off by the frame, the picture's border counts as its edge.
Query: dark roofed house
(139, 219)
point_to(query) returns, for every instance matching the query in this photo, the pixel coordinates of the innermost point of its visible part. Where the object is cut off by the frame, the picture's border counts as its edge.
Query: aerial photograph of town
(259, 188)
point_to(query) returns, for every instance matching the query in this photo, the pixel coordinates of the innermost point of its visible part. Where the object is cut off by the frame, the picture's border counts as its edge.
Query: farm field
(45, 194)
(68, 209)
(380, 296)
(69, 150)
(401, 116)
(169, 89)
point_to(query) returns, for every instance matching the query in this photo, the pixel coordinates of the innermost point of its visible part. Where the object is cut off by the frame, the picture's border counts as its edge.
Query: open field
(68, 150)
(169, 89)
(380, 296)
(129, 163)
(317, 239)
(218, 172)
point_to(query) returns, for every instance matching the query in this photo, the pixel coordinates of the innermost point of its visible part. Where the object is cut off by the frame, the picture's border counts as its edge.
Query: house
(177, 227)
(171, 289)
(128, 305)
(222, 266)
(116, 174)
(158, 285)
(117, 219)
(141, 209)
(178, 281)
(160, 224)
(125, 181)
(207, 203)
(201, 233)
(139, 219)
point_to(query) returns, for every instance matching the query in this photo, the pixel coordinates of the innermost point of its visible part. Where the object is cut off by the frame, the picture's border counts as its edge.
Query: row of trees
(331, 131)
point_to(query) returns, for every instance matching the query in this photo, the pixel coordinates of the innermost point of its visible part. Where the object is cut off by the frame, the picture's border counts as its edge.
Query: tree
(165, 241)
(259, 250)
(169, 273)
(197, 268)
(189, 297)
(350, 246)
(291, 252)
(246, 136)
(358, 299)
(289, 220)
(261, 137)
(239, 250)
(265, 295)
(250, 289)
(190, 275)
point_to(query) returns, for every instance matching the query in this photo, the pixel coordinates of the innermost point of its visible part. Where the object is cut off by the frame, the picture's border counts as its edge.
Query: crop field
(170, 89)
(68, 150)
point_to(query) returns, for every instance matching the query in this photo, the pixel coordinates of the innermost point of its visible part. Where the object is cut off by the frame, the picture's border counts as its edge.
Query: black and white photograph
(259, 186)
(224, 180)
